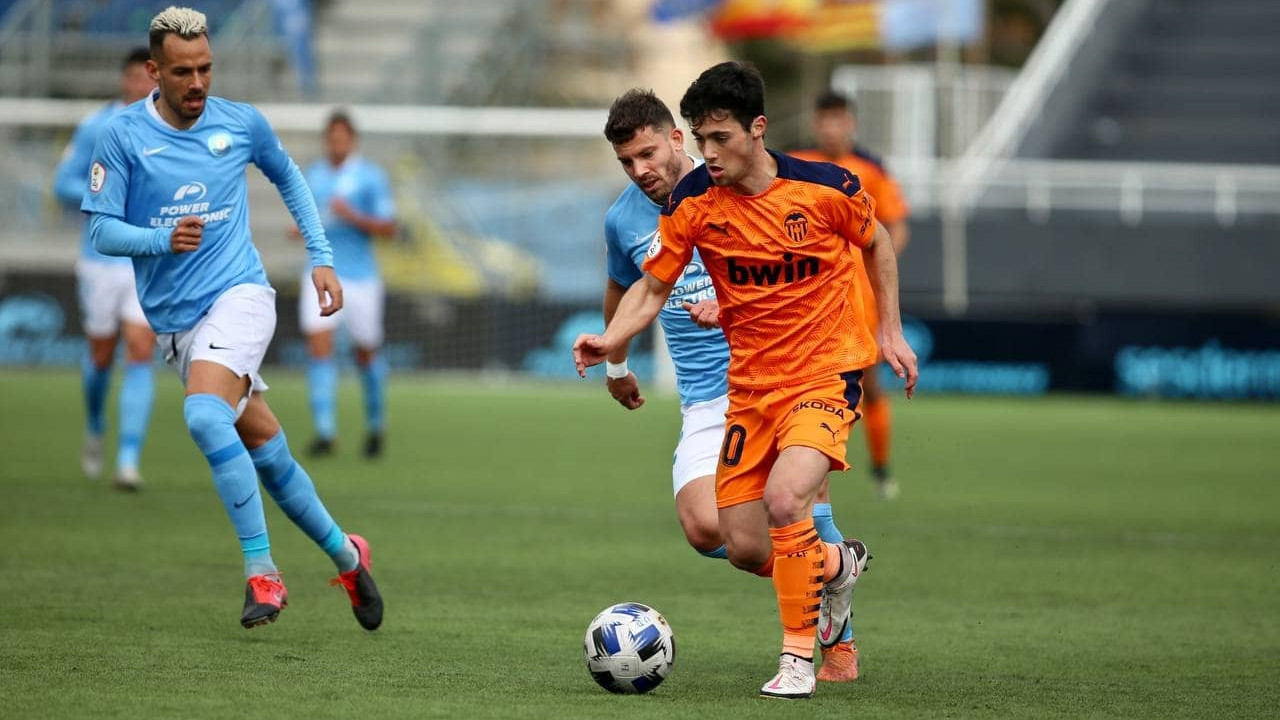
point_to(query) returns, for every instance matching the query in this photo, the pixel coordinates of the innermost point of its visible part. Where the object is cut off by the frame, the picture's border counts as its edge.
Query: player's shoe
(837, 596)
(794, 680)
(366, 601)
(886, 486)
(264, 597)
(91, 456)
(320, 447)
(839, 663)
(128, 479)
(373, 446)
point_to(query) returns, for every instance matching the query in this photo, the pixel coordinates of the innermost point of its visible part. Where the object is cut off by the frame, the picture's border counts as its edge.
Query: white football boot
(91, 455)
(795, 679)
(128, 479)
(837, 596)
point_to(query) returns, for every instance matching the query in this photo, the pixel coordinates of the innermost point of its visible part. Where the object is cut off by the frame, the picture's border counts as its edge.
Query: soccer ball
(629, 648)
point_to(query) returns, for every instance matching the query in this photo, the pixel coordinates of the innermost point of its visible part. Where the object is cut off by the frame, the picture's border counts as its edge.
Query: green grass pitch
(1049, 558)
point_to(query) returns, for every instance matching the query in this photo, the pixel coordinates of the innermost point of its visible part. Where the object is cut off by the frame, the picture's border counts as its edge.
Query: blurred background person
(835, 125)
(109, 308)
(356, 205)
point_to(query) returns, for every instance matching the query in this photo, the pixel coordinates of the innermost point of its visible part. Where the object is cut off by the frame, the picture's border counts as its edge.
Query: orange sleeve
(671, 249)
(853, 217)
(890, 205)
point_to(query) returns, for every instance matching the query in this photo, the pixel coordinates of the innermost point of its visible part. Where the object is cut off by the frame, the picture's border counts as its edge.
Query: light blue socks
(322, 390)
(96, 382)
(374, 379)
(211, 422)
(295, 493)
(136, 396)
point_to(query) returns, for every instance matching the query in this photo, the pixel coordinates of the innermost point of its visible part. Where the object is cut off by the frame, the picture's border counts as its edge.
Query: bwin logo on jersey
(191, 191)
(219, 143)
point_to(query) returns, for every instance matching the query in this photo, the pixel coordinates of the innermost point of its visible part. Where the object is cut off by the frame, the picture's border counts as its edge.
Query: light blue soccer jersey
(701, 356)
(72, 175)
(150, 175)
(363, 186)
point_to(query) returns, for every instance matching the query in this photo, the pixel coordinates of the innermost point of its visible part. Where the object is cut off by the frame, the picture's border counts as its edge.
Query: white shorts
(361, 313)
(235, 334)
(701, 436)
(108, 295)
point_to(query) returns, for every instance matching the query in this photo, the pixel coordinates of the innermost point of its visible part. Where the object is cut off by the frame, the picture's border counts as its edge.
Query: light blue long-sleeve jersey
(72, 175)
(701, 356)
(363, 186)
(147, 175)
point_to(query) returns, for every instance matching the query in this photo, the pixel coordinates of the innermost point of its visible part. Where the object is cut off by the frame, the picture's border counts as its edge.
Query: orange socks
(798, 572)
(875, 420)
(766, 570)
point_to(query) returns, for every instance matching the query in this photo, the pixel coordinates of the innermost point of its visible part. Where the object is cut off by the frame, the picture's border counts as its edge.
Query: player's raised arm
(621, 382)
(882, 270)
(637, 308)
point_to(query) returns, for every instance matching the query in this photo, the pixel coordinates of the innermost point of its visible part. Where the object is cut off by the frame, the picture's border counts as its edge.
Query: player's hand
(705, 313)
(342, 210)
(186, 235)
(589, 350)
(328, 289)
(902, 359)
(625, 390)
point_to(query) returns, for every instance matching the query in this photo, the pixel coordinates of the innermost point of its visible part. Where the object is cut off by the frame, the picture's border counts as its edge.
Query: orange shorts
(761, 423)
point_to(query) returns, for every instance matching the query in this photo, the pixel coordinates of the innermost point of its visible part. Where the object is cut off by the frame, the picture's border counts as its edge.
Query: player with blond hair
(167, 187)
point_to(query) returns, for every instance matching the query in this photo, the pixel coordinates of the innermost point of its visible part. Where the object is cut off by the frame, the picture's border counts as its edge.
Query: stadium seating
(1192, 82)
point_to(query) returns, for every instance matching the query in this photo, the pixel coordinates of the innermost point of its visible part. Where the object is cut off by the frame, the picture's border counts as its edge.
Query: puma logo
(828, 428)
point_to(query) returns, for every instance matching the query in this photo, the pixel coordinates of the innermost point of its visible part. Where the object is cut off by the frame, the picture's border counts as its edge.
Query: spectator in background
(109, 308)
(293, 26)
(835, 125)
(356, 205)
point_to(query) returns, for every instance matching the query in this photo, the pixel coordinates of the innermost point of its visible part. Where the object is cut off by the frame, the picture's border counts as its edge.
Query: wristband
(616, 370)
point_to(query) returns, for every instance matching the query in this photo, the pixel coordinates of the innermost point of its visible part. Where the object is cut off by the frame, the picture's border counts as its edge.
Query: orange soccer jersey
(785, 265)
(890, 205)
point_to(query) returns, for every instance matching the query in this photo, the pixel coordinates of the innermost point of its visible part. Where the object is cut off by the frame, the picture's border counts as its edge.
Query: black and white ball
(629, 648)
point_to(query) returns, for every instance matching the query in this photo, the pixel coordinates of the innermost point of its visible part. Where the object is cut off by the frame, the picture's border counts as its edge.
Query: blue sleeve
(384, 201)
(113, 236)
(619, 264)
(72, 175)
(270, 157)
(109, 172)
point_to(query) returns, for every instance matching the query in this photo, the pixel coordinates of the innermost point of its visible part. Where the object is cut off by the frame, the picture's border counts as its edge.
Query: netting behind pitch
(499, 263)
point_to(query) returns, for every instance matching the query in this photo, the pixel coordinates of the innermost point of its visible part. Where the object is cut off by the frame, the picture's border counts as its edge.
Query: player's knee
(208, 418)
(747, 552)
(702, 538)
(749, 559)
(783, 506)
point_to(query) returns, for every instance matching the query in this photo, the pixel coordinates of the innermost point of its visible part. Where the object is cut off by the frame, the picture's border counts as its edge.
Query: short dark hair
(136, 56)
(832, 100)
(633, 111)
(340, 117)
(736, 88)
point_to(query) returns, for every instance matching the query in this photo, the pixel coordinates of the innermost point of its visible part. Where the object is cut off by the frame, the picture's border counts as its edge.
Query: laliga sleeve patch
(97, 176)
(654, 246)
